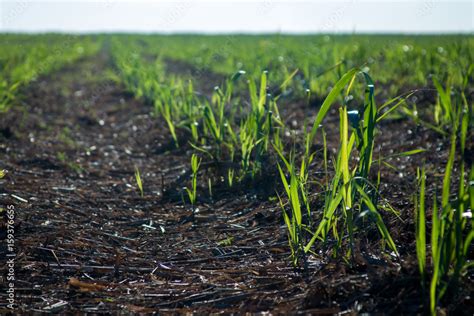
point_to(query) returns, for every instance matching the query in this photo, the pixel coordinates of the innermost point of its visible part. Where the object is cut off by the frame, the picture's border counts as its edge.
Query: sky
(244, 16)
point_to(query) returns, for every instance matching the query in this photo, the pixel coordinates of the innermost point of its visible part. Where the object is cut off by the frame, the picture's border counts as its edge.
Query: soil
(86, 241)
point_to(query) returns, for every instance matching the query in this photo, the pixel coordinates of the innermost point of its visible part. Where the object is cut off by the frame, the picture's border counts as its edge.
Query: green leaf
(378, 219)
(421, 226)
(336, 90)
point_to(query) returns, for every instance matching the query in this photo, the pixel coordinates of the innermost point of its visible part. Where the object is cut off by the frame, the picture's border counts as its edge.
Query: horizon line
(217, 33)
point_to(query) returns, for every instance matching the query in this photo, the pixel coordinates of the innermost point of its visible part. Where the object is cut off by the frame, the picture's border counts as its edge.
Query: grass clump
(192, 192)
(351, 198)
(138, 180)
(452, 231)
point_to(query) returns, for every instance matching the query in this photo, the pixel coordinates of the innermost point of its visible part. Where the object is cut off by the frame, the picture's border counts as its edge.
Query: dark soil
(87, 242)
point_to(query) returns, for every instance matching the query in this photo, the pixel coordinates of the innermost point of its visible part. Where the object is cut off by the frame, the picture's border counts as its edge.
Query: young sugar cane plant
(258, 127)
(295, 191)
(218, 139)
(445, 110)
(245, 138)
(452, 229)
(138, 179)
(351, 197)
(192, 192)
(7, 94)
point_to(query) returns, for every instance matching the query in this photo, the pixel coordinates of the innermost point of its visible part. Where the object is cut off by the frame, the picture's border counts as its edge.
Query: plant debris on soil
(86, 241)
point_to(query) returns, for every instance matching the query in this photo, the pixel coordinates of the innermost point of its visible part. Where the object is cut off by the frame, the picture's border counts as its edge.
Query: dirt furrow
(70, 152)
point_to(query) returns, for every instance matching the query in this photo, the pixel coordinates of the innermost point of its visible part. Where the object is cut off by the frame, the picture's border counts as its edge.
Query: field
(321, 174)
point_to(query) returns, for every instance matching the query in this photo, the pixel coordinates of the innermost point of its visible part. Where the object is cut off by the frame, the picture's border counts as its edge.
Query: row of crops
(242, 132)
(398, 61)
(25, 57)
(239, 128)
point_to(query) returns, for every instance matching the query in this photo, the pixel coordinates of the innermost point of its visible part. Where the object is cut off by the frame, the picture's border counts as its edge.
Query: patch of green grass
(452, 231)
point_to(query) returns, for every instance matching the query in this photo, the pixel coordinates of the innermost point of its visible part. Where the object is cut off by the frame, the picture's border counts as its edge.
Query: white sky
(418, 16)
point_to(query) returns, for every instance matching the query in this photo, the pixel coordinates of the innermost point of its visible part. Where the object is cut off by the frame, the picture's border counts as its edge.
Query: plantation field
(321, 174)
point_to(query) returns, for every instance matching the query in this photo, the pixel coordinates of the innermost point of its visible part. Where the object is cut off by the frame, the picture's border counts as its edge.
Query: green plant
(209, 186)
(449, 102)
(420, 225)
(350, 197)
(351, 190)
(452, 231)
(192, 194)
(226, 242)
(246, 137)
(138, 179)
(63, 158)
(296, 188)
(230, 177)
(7, 94)
(165, 109)
(66, 137)
(294, 223)
(256, 130)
